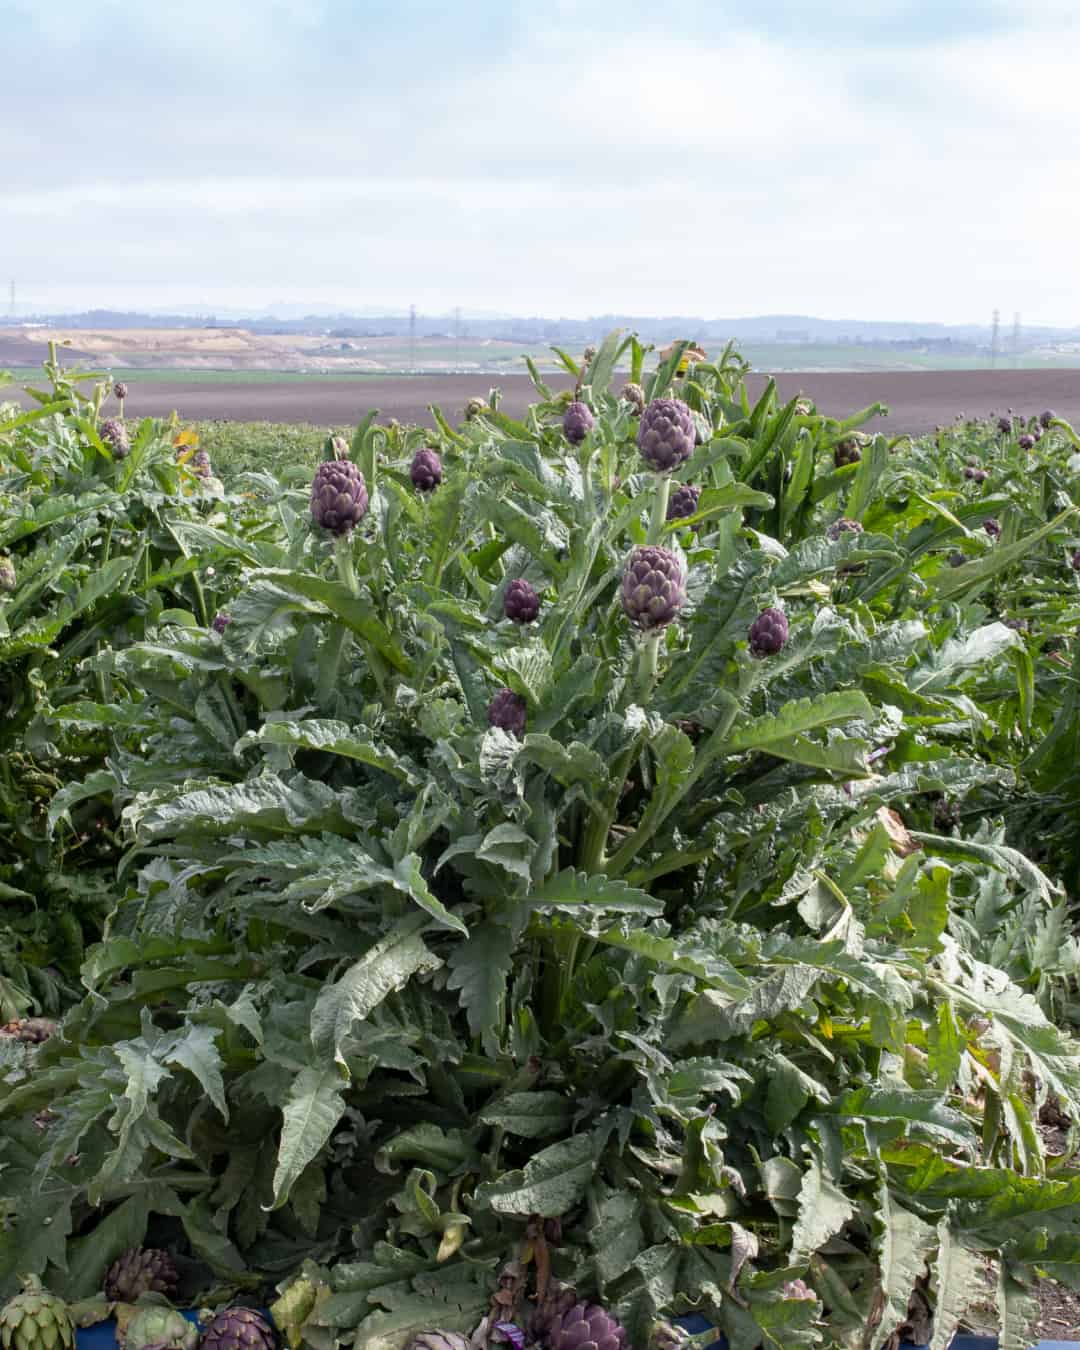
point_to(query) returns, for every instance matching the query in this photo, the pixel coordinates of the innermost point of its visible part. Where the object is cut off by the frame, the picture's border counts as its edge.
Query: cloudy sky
(893, 159)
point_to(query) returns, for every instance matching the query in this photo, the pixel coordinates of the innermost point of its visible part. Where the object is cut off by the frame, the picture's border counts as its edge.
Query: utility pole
(995, 338)
(1016, 340)
(412, 338)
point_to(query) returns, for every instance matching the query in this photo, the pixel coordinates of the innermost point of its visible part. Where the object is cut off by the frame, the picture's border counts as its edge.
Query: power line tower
(1016, 340)
(412, 338)
(995, 339)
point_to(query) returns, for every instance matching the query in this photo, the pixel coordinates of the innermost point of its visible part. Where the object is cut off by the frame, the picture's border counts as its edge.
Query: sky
(875, 159)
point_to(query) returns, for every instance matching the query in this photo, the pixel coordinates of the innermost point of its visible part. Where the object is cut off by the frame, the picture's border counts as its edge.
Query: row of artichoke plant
(563, 887)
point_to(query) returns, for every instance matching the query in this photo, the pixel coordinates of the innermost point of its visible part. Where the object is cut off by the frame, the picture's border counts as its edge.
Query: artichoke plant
(238, 1329)
(666, 434)
(141, 1270)
(653, 587)
(507, 710)
(769, 633)
(120, 390)
(683, 501)
(992, 528)
(1046, 418)
(1026, 441)
(155, 1325)
(846, 452)
(634, 395)
(577, 422)
(1005, 425)
(220, 622)
(36, 1320)
(425, 471)
(521, 602)
(114, 434)
(339, 498)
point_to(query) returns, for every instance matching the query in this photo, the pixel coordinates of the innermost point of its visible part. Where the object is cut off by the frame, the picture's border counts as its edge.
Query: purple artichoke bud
(1074, 561)
(113, 432)
(843, 526)
(426, 470)
(798, 1289)
(1005, 425)
(969, 473)
(957, 559)
(992, 528)
(220, 622)
(339, 496)
(120, 390)
(238, 1329)
(577, 422)
(1026, 442)
(521, 602)
(633, 393)
(1046, 418)
(140, 1270)
(683, 501)
(945, 815)
(768, 633)
(666, 434)
(7, 575)
(980, 475)
(653, 587)
(846, 452)
(585, 1326)
(507, 710)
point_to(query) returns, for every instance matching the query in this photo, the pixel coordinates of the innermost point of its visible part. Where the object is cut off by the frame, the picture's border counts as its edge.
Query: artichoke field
(520, 856)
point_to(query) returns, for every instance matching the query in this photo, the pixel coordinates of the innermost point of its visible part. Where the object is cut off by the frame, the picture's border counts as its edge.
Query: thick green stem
(331, 655)
(591, 857)
(659, 508)
(648, 664)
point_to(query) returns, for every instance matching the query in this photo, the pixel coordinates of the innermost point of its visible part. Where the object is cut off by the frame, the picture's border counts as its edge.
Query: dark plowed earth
(918, 400)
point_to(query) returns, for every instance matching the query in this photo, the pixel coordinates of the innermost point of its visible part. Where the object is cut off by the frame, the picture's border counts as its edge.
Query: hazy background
(888, 160)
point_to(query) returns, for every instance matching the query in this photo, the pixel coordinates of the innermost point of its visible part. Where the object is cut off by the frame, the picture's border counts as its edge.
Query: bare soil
(918, 401)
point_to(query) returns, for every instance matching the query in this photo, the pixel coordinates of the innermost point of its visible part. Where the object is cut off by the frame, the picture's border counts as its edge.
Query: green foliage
(382, 986)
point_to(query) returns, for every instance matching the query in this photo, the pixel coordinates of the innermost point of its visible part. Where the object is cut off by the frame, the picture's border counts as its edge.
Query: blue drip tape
(695, 1324)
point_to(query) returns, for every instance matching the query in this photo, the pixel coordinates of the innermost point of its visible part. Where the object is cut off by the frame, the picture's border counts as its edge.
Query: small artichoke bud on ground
(846, 452)
(238, 1329)
(1005, 425)
(36, 1320)
(475, 407)
(843, 526)
(666, 434)
(507, 710)
(653, 587)
(768, 633)
(113, 432)
(340, 447)
(339, 497)
(577, 422)
(633, 394)
(683, 501)
(521, 602)
(957, 559)
(439, 1340)
(798, 1289)
(120, 390)
(30, 1030)
(141, 1270)
(992, 528)
(1046, 418)
(220, 622)
(158, 1326)
(1026, 442)
(426, 470)
(7, 575)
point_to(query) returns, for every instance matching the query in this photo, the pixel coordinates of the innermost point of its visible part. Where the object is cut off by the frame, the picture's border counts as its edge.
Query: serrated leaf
(554, 1180)
(532, 1115)
(312, 1110)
